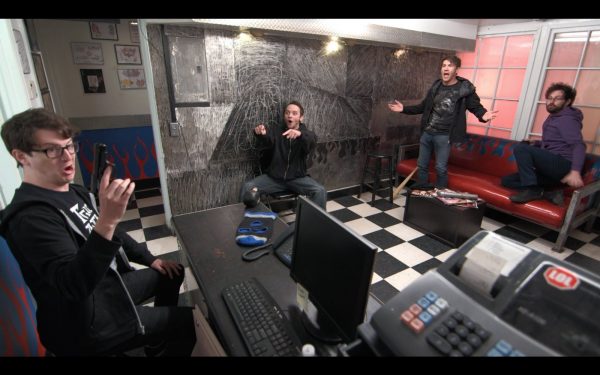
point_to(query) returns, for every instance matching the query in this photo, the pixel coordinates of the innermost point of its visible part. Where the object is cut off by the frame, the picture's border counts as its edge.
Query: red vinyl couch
(477, 165)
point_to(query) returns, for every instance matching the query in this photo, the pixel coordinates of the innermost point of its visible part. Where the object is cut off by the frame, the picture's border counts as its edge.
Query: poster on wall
(22, 51)
(134, 33)
(87, 53)
(132, 78)
(104, 31)
(93, 81)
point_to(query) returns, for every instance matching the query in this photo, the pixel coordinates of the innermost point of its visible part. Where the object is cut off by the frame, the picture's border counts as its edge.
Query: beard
(551, 108)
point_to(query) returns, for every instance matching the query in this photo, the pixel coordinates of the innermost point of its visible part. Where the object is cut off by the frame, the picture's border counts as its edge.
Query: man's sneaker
(527, 195)
(557, 197)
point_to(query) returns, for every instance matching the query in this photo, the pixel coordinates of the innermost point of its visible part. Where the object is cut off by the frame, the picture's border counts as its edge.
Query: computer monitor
(335, 265)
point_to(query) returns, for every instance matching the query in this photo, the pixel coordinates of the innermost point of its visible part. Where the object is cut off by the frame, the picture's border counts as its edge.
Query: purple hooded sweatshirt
(561, 135)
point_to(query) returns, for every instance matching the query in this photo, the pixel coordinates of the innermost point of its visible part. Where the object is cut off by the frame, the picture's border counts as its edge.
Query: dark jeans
(440, 144)
(538, 168)
(165, 321)
(302, 185)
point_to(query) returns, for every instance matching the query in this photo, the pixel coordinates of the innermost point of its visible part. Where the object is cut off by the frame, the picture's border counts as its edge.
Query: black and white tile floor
(405, 253)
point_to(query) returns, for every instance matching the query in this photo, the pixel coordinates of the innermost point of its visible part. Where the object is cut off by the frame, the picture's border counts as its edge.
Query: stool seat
(374, 167)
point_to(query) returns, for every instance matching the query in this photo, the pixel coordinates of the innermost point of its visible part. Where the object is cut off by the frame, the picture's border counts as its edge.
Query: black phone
(100, 163)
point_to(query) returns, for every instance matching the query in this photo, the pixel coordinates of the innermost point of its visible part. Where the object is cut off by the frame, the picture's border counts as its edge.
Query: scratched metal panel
(344, 98)
(188, 67)
(259, 77)
(306, 62)
(196, 190)
(200, 130)
(220, 54)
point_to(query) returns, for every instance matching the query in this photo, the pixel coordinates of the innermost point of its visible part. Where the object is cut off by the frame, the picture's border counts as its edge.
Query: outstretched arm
(396, 106)
(489, 115)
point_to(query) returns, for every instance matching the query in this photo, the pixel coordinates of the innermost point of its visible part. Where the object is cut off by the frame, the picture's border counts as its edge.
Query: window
(575, 60)
(497, 69)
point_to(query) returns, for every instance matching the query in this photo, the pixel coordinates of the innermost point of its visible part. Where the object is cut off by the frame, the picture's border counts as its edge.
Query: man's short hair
(569, 91)
(455, 60)
(18, 132)
(296, 103)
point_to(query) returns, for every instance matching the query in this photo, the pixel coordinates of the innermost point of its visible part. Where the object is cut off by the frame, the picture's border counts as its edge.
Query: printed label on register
(301, 297)
(561, 278)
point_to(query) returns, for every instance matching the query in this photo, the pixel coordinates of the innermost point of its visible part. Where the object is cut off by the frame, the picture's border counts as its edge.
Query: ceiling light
(244, 37)
(399, 53)
(333, 46)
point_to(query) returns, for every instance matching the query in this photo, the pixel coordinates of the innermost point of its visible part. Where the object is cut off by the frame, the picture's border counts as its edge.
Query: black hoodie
(288, 160)
(83, 307)
(469, 100)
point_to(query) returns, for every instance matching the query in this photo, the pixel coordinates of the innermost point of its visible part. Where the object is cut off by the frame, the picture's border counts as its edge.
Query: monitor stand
(319, 326)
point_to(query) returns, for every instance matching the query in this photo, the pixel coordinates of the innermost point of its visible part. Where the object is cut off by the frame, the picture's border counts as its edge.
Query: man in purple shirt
(557, 158)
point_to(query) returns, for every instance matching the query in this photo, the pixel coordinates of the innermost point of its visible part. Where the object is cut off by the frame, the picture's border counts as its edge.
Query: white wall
(54, 40)
(16, 95)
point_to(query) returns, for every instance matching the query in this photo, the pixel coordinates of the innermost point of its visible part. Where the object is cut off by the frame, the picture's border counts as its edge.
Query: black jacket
(288, 158)
(468, 100)
(83, 306)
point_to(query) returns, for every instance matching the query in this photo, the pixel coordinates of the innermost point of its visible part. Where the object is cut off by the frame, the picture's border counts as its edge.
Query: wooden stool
(374, 166)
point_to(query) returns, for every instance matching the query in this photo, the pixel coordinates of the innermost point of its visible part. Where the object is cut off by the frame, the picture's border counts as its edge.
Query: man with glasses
(557, 158)
(75, 259)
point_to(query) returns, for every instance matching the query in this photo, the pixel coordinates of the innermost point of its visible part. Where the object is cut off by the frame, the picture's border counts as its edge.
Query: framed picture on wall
(22, 51)
(105, 31)
(93, 81)
(87, 53)
(128, 54)
(132, 78)
(134, 33)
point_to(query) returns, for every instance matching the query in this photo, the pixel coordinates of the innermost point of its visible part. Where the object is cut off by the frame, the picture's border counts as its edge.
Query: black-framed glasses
(54, 152)
(555, 99)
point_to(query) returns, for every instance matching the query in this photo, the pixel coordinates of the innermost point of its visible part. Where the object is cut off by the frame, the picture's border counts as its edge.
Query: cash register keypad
(456, 335)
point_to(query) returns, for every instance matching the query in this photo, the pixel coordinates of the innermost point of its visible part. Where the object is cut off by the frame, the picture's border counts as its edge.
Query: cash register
(492, 297)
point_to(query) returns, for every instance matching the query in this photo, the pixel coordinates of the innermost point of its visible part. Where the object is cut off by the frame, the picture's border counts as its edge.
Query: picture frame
(128, 54)
(134, 33)
(87, 53)
(133, 78)
(104, 31)
(93, 81)
(22, 51)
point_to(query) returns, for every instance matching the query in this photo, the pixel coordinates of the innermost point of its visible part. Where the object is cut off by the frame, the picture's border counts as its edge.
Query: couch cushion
(483, 154)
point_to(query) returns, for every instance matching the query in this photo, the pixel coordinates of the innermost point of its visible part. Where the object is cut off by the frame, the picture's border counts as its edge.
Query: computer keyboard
(261, 322)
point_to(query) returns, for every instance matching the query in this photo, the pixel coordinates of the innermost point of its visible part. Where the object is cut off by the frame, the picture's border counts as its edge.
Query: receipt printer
(492, 297)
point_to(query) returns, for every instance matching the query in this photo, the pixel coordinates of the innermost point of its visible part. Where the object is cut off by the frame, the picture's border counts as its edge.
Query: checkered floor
(405, 253)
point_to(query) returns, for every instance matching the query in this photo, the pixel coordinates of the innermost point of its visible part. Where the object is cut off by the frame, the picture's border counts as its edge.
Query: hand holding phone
(100, 163)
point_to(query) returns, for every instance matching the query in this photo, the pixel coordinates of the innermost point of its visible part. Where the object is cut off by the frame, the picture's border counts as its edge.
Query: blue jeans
(537, 168)
(302, 185)
(440, 144)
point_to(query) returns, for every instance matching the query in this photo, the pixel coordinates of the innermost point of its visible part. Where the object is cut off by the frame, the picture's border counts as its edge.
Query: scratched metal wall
(344, 97)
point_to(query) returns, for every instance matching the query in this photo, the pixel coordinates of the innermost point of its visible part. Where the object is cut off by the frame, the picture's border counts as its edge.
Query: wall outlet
(174, 129)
